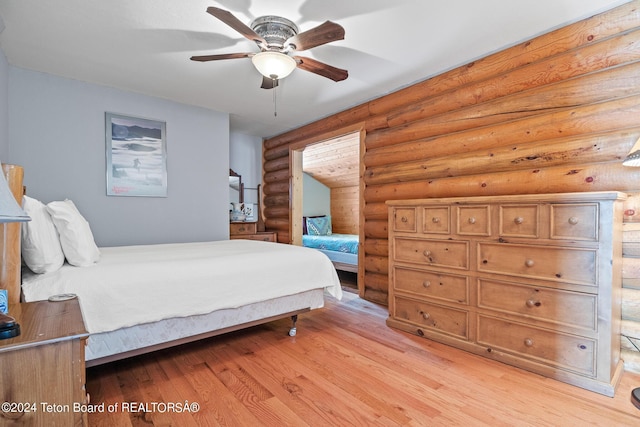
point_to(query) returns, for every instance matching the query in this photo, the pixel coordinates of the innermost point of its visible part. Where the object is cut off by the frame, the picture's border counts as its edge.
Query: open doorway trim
(295, 189)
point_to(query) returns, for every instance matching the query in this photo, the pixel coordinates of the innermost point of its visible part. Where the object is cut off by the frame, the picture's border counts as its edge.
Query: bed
(342, 249)
(137, 299)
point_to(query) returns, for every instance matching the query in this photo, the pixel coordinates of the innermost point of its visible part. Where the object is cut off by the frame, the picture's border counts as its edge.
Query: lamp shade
(633, 158)
(274, 65)
(10, 211)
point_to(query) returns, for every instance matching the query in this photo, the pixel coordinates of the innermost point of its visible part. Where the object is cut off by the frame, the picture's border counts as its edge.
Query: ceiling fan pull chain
(275, 102)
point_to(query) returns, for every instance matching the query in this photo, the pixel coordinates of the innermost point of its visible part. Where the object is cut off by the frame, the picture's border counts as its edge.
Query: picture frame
(136, 156)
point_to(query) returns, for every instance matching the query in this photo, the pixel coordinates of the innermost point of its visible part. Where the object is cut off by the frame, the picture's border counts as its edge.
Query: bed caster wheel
(292, 332)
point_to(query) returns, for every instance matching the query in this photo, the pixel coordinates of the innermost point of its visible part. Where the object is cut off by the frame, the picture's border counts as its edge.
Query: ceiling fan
(277, 39)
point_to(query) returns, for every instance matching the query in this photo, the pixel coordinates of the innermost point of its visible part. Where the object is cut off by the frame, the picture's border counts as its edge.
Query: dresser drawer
(444, 253)
(432, 316)
(264, 237)
(473, 220)
(404, 219)
(446, 287)
(562, 350)
(436, 219)
(543, 262)
(551, 305)
(243, 227)
(519, 220)
(574, 221)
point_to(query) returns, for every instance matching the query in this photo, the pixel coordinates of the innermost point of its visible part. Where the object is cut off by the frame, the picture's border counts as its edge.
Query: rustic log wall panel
(345, 212)
(553, 114)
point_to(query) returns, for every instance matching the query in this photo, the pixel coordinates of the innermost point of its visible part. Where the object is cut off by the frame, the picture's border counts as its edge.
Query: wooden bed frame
(10, 259)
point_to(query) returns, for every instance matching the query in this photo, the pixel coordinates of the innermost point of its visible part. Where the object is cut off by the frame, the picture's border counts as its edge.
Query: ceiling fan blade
(228, 18)
(322, 34)
(268, 83)
(204, 58)
(322, 69)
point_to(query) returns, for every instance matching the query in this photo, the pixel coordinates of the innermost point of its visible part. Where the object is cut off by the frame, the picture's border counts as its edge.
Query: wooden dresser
(533, 280)
(249, 230)
(43, 369)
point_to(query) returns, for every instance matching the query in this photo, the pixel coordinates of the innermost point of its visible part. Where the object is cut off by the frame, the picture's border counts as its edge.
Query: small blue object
(4, 301)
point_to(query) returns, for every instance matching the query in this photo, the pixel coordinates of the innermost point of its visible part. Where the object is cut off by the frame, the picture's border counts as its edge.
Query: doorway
(336, 163)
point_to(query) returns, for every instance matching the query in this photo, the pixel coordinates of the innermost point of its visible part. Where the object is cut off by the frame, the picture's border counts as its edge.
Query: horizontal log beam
(279, 175)
(631, 304)
(379, 247)
(375, 229)
(597, 118)
(276, 187)
(618, 82)
(620, 50)
(560, 179)
(276, 164)
(562, 151)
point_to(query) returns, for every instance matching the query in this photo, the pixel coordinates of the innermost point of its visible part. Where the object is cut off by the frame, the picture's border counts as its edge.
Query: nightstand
(43, 369)
(249, 230)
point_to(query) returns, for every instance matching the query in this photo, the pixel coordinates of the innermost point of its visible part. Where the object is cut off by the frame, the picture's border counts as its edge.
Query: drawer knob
(425, 316)
(427, 253)
(573, 220)
(435, 220)
(529, 263)
(404, 219)
(533, 303)
(528, 342)
(518, 220)
(426, 283)
(472, 220)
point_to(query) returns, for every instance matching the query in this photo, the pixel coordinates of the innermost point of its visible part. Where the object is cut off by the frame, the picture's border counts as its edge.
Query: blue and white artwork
(136, 156)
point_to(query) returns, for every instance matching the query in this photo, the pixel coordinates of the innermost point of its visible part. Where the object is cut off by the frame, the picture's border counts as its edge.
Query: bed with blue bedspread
(342, 249)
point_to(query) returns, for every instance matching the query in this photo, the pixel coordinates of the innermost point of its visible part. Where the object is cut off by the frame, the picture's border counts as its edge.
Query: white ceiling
(144, 46)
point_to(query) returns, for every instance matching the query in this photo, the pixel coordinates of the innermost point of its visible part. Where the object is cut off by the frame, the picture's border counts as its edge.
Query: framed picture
(136, 156)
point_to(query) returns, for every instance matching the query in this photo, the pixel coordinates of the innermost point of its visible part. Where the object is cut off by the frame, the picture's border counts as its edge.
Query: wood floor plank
(345, 367)
(239, 358)
(104, 387)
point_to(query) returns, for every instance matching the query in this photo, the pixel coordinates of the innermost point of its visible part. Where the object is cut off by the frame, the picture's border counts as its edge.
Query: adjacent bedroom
(331, 203)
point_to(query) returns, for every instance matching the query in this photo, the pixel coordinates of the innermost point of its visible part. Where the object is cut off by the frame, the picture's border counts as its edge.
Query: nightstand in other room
(43, 368)
(249, 230)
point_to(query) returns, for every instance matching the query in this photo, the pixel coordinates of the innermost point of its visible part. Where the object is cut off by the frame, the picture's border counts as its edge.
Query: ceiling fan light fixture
(272, 63)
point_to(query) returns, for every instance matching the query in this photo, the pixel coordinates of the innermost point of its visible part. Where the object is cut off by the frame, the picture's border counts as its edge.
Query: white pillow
(75, 234)
(41, 249)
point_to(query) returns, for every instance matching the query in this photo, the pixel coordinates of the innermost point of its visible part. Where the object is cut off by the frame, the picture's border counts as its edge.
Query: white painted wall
(57, 132)
(316, 197)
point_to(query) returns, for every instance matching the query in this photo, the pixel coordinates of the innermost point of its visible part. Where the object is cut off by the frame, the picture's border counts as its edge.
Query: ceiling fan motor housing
(275, 30)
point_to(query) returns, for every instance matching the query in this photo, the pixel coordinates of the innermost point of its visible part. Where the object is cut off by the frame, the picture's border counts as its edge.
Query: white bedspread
(141, 284)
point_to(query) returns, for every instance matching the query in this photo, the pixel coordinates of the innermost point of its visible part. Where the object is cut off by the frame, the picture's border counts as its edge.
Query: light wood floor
(345, 367)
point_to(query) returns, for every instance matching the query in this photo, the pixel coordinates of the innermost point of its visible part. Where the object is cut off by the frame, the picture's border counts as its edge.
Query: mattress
(134, 285)
(345, 243)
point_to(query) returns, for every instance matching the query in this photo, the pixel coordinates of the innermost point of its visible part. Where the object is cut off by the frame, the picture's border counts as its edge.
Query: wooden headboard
(10, 260)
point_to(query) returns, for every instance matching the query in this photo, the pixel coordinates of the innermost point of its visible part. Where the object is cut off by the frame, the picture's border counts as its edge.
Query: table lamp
(10, 211)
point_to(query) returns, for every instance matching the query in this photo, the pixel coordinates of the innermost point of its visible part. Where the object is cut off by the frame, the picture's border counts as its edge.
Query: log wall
(557, 113)
(630, 326)
(345, 214)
